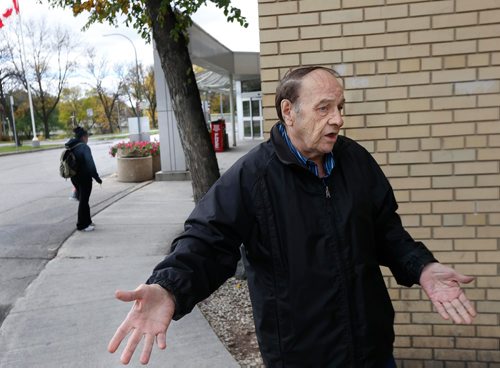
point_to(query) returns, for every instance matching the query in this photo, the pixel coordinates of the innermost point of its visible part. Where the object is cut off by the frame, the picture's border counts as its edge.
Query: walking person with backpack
(85, 170)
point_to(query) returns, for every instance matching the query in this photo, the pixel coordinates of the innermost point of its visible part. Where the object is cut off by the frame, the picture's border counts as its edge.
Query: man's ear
(287, 112)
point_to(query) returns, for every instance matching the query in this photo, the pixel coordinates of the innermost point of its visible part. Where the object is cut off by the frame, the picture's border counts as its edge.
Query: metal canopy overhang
(211, 81)
(210, 54)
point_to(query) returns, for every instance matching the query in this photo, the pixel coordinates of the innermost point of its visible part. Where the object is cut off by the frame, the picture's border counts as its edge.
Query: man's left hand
(442, 286)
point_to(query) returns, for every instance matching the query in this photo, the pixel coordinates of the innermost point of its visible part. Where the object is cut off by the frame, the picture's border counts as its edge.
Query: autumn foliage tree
(141, 87)
(149, 91)
(167, 21)
(132, 86)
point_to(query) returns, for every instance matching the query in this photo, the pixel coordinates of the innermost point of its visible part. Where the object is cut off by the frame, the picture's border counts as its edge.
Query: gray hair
(288, 88)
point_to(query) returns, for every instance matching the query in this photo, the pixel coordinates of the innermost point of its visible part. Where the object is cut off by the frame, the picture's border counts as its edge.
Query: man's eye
(323, 109)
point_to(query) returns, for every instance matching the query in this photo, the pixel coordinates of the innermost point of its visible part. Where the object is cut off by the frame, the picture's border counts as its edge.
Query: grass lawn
(9, 149)
(108, 137)
(119, 135)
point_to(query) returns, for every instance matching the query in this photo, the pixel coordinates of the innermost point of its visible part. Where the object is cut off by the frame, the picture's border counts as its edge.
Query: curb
(103, 141)
(98, 207)
(101, 206)
(30, 151)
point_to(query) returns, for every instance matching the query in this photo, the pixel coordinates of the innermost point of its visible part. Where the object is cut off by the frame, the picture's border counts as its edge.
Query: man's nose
(336, 118)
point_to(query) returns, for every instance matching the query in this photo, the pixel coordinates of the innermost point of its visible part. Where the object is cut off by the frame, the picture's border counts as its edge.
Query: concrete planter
(135, 169)
(156, 164)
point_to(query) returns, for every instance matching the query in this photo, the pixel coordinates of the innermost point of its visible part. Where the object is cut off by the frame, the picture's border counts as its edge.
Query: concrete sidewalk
(69, 313)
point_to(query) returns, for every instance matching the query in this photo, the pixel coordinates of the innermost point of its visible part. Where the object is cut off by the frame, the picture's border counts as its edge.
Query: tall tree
(168, 21)
(98, 69)
(50, 60)
(7, 77)
(139, 85)
(132, 86)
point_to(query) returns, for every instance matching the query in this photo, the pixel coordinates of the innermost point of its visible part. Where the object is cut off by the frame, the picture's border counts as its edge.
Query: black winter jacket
(86, 169)
(313, 250)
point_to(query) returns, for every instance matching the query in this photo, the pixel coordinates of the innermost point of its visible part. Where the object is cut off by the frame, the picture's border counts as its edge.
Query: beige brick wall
(422, 82)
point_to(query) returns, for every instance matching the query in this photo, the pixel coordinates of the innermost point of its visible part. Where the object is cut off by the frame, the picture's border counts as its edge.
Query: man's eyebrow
(329, 100)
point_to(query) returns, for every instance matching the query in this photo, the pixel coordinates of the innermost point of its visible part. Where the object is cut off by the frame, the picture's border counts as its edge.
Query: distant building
(232, 71)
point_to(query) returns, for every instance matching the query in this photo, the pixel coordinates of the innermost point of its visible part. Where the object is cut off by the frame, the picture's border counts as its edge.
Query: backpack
(68, 164)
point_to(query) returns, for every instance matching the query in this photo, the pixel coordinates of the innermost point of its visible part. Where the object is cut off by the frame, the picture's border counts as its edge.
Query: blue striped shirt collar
(328, 163)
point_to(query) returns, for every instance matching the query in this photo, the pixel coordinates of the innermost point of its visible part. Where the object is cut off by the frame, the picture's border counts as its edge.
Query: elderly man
(317, 217)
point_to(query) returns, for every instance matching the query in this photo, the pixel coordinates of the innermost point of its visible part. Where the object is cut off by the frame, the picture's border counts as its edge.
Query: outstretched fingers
(118, 337)
(460, 310)
(467, 304)
(450, 308)
(147, 349)
(466, 318)
(132, 343)
(161, 340)
(440, 309)
(149, 317)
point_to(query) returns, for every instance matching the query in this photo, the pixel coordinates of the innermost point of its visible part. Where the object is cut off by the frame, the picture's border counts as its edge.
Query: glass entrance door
(252, 116)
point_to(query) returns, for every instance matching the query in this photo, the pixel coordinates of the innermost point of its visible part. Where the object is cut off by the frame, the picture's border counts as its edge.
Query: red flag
(7, 13)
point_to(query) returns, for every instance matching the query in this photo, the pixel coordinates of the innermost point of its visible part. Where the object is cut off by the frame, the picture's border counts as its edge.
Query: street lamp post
(138, 82)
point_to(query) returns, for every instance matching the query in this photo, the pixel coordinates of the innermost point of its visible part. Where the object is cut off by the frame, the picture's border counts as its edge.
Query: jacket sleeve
(396, 249)
(89, 162)
(205, 255)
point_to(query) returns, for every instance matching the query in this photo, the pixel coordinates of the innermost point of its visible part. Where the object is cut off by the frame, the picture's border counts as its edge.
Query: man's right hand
(150, 317)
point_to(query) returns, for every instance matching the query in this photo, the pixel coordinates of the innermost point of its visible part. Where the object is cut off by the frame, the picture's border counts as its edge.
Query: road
(36, 215)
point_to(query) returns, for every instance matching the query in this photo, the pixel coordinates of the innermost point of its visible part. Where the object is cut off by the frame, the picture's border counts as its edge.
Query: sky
(117, 49)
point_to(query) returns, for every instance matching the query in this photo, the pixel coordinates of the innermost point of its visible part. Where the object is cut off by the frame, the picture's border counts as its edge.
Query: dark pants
(84, 188)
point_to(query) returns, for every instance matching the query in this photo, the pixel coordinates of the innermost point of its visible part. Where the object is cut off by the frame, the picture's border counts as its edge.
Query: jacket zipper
(327, 190)
(350, 337)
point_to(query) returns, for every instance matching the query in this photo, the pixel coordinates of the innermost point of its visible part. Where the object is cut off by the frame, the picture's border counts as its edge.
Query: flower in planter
(155, 148)
(135, 149)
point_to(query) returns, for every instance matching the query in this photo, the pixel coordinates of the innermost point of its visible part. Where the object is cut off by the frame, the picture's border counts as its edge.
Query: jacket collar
(73, 142)
(288, 158)
(282, 150)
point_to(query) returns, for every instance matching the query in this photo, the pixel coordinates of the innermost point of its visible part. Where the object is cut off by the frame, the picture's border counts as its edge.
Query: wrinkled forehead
(320, 84)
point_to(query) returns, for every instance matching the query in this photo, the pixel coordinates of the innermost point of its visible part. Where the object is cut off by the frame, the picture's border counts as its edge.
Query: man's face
(314, 120)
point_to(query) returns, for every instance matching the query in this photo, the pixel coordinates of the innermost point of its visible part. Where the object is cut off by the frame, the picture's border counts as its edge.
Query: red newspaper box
(217, 134)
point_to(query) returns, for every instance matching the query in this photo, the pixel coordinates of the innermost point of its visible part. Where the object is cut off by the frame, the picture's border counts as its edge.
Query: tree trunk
(46, 129)
(107, 107)
(179, 74)
(43, 112)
